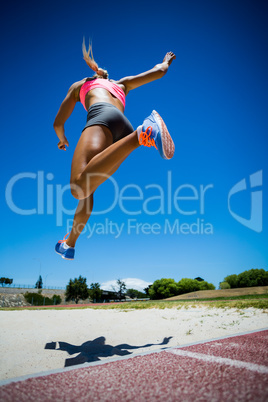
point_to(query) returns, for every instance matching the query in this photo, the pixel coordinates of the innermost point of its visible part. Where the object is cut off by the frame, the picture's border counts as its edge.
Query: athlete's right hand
(62, 144)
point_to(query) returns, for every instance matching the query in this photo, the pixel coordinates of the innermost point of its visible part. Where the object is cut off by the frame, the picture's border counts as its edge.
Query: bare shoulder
(75, 88)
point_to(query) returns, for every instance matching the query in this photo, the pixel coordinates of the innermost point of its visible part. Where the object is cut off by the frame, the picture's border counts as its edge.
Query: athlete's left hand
(62, 144)
(169, 57)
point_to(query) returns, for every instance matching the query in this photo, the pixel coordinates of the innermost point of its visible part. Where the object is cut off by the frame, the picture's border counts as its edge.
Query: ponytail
(89, 59)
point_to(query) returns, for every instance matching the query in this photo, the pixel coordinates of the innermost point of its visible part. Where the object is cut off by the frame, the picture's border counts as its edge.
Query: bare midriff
(102, 95)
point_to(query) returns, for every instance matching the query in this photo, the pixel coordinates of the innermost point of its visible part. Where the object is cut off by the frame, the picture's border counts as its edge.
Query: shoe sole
(69, 259)
(167, 142)
(62, 256)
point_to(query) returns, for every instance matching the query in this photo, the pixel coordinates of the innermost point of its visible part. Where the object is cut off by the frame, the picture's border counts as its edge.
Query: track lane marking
(220, 360)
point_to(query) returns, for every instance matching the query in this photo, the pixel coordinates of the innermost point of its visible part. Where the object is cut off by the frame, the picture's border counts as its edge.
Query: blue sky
(214, 102)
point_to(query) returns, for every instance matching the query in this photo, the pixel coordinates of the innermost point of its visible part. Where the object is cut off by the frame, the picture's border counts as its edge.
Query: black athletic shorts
(108, 115)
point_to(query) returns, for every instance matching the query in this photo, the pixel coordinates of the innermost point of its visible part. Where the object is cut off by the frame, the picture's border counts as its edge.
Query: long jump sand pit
(33, 341)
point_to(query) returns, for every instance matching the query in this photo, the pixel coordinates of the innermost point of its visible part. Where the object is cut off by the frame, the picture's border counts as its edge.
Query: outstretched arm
(64, 113)
(155, 73)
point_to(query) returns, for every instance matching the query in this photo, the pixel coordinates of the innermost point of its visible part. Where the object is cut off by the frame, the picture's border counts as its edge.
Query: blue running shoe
(155, 133)
(65, 251)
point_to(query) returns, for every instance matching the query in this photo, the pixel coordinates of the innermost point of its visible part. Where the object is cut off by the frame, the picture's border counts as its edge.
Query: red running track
(229, 369)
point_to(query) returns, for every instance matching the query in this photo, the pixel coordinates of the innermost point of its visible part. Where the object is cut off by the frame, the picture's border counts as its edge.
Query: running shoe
(155, 133)
(65, 251)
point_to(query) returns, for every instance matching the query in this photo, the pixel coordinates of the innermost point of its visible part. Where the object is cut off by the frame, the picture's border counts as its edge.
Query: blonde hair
(89, 59)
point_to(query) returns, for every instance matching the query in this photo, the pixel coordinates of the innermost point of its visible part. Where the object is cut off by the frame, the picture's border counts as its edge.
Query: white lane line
(220, 360)
(116, 359)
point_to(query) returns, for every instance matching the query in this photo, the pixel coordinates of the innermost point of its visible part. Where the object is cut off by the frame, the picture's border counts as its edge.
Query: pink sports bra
(113, 88)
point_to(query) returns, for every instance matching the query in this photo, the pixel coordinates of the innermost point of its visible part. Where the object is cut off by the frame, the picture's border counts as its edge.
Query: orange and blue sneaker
(64, 250)
(154, 132)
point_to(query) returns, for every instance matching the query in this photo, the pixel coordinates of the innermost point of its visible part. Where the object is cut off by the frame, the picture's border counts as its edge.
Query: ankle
(70, 243)
(139, 130)
(136, 136)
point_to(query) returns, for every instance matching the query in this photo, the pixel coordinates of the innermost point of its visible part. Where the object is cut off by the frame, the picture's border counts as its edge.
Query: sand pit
(33, 341)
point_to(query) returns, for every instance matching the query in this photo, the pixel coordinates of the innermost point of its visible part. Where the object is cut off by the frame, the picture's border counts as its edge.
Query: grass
(223, 293)
(239, 302)
(264, 296)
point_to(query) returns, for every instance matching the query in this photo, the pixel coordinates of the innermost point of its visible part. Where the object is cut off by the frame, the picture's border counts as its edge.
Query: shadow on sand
(91, 351)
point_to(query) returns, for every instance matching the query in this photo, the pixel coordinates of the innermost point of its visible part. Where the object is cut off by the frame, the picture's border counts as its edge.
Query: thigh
(93, 140)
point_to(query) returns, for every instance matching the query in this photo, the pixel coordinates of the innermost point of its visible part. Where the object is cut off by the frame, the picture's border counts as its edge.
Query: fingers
(62, 145)
(169, 57)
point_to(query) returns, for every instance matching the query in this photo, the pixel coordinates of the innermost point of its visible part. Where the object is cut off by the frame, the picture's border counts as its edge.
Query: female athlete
(107, 138)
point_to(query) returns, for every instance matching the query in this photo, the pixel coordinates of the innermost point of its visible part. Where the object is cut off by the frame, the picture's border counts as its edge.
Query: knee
(76, 190)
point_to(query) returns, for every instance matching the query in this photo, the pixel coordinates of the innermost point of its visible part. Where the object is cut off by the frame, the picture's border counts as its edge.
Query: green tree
(39, 283)
(6, 281)
(2, 281)
(187, 285)
(121, 288)
(163, 288)
(146, 290)
(252, 277)
(95, 291)
(225, 285)
(232, 280)
(204, 285)
(37, 299)
(77, 289)
(135, 294)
